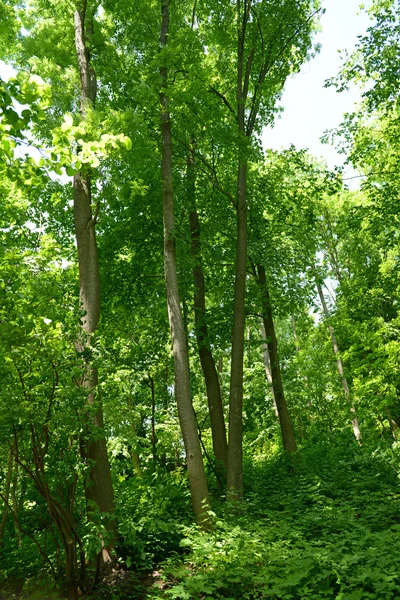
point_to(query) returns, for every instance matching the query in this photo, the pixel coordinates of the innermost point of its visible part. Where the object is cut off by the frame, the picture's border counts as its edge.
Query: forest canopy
(199, 335)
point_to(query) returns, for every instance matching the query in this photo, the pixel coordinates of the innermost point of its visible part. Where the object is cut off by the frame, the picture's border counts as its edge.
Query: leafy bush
(151, 515)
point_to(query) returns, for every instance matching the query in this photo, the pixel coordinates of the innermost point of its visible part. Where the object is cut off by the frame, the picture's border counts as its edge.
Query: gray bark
(267, 365)
(187, 419)
(94, 450)
(214, 397)
(288, 439)
(339, 365)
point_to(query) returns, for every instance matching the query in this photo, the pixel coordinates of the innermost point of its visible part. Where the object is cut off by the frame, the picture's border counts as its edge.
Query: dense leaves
(319, 522)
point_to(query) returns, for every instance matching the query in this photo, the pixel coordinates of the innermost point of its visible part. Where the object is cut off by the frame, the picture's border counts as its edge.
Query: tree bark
(94, 450)
(267, 365)
(288, 439)
(394, 427)
(7, 487)
(214, 397)
(235, 446)
(339, 365)
(187, 419)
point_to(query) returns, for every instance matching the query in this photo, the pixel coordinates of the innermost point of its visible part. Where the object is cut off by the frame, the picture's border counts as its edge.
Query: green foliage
(152, 513)
(326, 527)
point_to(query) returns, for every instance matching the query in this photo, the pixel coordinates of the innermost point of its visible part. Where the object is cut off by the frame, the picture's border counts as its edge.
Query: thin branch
(210, 170)
(224, 99)
(29, 535)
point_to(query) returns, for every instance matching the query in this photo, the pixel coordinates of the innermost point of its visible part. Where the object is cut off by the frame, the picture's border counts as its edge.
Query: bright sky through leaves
(309, 107)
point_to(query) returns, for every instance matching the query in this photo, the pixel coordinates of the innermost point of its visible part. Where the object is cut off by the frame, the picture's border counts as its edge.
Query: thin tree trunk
(7, 487)
(339, 365)
(267, 365)
(100, 489)
(394, 428)
(153, 421)
(214, 397)
(15, 505)
(195, 466)
(235, 446)
(288, 439)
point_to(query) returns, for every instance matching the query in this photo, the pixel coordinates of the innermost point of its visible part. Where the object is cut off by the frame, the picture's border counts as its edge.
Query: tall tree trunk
(235, 443)
(187, 419)
(100, 489)
(339, 365)
(288, 439)
(267, 365)
(235, 446)
(214, 397)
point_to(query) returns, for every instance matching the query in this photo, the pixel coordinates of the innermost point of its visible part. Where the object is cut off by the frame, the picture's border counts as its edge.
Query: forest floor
(325, 526)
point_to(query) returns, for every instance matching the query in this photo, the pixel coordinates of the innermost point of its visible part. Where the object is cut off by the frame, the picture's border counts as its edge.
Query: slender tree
(288, 439)
(187, 419)
(339, 364)
(99, 488)
(214, 397)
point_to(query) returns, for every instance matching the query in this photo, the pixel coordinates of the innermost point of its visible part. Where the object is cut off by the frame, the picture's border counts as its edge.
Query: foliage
(327, 529)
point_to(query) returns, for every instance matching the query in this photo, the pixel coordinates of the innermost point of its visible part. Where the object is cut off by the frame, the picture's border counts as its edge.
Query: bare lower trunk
(6, 494)
(339, 365)
(99, 490)
(267, 365)
(153, 421)
(187, 419)
(288, 439)
(15, 505)
(235, 445)
(394, 427)
(214, 397)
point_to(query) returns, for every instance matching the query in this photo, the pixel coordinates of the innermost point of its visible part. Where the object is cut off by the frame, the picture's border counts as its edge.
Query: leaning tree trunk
(339, 365)
(214, 396)
(99, 488)
(187, 419)
(288, 439)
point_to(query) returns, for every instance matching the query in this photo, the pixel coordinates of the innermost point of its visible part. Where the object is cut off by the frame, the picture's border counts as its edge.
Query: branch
(224, 100)
(29, 535)
(256, 99)
(212, 175)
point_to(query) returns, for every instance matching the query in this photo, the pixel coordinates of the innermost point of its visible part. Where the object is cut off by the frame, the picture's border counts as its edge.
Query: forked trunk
(187, 419)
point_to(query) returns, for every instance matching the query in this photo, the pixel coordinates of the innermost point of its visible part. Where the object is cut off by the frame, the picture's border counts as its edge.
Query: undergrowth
(324, 526)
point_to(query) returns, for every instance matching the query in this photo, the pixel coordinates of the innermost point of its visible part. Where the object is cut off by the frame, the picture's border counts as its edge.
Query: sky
(309, 108)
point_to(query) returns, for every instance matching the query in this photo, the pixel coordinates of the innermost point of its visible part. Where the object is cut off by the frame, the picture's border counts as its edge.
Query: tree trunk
(187, 419)
(16, 506)
(235, 446)
(267, 365)
(394, 427)
(214, 397)
(7, 487)
(153, 421)
(100, 489)
(288, 439)
(339, 365)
